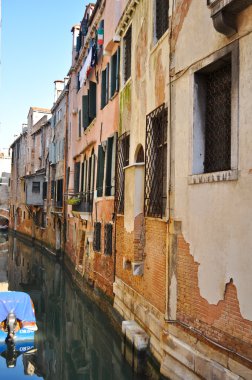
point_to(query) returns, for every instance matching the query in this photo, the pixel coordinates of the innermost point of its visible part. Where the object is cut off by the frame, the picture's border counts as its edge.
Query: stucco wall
(215, 217)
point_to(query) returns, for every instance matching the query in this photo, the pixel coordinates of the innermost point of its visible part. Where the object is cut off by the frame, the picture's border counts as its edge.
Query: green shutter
(113, 75)
(100, 172)
(85, 117)
(103, 89)
(109, 166)
(92, 100)
(76, 177)
(82, 176)
(117, 69)
(107, 84)
(80, 123)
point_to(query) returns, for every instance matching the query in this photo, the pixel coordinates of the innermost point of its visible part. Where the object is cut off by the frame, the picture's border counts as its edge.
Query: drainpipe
(168, 248)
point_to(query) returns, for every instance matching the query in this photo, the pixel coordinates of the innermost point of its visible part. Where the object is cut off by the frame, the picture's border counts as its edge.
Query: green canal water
(75, 340)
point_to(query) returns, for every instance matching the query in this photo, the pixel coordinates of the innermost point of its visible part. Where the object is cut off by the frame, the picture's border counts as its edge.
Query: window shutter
(100, 172)
(108, 237)
(109, 166)
(92, 100)
(76, 177)
(85, 117)
(52, 189)
(82, 176)
(97, 237)
(107, 84)
(117, 69)
(103, 89)
(79, 123)
(85, 176)
(113, 74)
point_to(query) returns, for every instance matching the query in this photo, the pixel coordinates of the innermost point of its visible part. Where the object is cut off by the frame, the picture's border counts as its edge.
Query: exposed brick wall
(222, 322)
(152, 284)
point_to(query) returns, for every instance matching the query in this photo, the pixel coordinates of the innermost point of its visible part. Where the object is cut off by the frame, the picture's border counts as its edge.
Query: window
(97, 237)
(89, 105)
(108, 239)
(59, 193)
(114, 73)
(212, 121)
(104, 87)
(36, 187)
(162, 7)
(123, 145)
(52, 189)
(44, 190)
(77, 177)
(156, 163)
(127, 55)
(110, 166)
(100, 171)
(79, 123)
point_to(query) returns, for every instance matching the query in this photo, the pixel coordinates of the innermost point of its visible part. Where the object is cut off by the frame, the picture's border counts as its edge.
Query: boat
(17, 325)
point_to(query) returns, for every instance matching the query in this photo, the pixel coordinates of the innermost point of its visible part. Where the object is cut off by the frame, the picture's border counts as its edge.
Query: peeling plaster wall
(216, 217)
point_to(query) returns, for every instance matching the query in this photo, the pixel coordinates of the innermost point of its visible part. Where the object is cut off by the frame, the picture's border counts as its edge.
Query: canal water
(75, 340)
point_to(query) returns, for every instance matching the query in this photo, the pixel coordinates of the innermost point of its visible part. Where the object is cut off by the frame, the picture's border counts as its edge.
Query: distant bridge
(5, 213)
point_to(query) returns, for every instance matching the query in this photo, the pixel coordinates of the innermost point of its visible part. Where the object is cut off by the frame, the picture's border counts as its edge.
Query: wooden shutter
(85, 117)
(79, 123)
(103, 89)
(109, 166)
(113, 74)
(97, 236)
(92, 100)
(76, 177)
(108, 239)
(117, 69)
(82, 177)
(100, 172)
(52, 189)
(107, 84)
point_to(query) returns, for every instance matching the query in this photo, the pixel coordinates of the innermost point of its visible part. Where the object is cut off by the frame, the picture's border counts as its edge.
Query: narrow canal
(75, 340)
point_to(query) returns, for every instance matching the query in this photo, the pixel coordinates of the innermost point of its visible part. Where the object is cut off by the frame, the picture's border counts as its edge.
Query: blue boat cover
(18, 303)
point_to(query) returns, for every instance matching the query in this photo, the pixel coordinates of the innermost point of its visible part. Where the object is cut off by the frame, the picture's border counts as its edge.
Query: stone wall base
(180, 353)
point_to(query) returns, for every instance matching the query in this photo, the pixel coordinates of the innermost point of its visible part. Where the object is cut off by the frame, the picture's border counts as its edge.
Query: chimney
(58, 88)
(75, 31)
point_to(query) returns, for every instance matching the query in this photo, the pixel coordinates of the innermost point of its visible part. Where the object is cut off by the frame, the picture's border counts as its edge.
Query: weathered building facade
(146, 171)
(93, 125)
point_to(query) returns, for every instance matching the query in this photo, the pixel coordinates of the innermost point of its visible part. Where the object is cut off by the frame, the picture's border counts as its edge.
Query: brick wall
(223, 322)
(152, 284)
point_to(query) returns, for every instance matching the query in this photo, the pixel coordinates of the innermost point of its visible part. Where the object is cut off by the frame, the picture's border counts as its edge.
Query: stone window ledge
(227, 175)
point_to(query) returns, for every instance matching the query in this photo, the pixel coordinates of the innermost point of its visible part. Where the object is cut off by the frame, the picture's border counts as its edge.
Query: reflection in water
(74, 340)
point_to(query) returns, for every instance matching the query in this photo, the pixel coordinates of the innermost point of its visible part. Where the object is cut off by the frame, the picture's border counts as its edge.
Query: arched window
(139, 156)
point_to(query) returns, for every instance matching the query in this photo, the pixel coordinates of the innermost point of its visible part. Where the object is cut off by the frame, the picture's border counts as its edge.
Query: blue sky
(36, 42)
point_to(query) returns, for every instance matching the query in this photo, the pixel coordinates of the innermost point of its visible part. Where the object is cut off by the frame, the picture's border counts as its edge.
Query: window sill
(157, 43)
(227, 175)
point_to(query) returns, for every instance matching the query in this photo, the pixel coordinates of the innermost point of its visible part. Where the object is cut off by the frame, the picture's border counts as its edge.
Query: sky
(36, 43)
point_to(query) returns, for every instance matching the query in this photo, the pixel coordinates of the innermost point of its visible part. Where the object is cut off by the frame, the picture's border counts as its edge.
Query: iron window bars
(156, 163)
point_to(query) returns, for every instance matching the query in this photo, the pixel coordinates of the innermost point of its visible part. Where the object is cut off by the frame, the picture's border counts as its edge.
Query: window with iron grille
(127, 55)
(212, 127)
(123, 145)
(97, 237)
(156, 163)
(36, 187)
(162, 7)
(108, 238)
